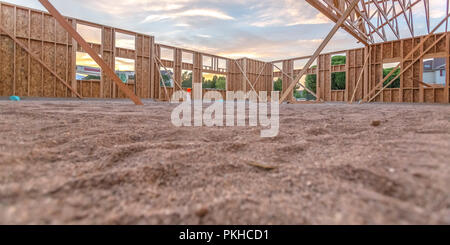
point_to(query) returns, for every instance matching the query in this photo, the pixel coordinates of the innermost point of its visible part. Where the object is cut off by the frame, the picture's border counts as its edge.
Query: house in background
(434, 71)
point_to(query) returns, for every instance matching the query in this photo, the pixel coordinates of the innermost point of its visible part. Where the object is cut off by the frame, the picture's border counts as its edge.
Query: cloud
(285, 13)
(260, 29)
(203, 36)
(209, 13)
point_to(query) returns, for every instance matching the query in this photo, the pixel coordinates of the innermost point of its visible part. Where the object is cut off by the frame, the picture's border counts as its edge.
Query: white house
(434, 71)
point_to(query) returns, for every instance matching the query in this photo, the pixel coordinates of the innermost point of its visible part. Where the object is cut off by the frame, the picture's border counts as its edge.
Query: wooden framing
(38, 59)
(52, 44)
(80, 40)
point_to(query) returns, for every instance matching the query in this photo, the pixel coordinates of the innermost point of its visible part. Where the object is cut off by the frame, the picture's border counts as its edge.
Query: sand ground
(105, 162)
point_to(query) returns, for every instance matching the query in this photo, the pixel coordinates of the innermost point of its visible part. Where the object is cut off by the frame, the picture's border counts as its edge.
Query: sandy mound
(103, 162)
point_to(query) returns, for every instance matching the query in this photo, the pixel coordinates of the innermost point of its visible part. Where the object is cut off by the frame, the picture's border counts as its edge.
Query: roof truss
(374, 20)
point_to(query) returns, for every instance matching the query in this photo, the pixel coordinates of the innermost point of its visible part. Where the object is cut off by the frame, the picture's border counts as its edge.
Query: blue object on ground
(14, 98)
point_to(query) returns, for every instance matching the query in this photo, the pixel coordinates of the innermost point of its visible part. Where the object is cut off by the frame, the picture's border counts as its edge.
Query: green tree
(166, 79)
(278, 85)
(396, 83)
(186, 78)
(338, 60)
(221, 83)
(311, 80)
(91, 77)
(311, 85)
(338, 81)
(217, 82)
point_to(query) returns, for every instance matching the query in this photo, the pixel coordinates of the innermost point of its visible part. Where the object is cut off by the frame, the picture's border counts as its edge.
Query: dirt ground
(104, 162)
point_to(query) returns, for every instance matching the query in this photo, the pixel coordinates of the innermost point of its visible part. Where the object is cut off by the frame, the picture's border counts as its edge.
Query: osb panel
(79, 87)
(416, 95)
(407, 95)
(395, 93)
(21, 72)
(139, 77)
(22, 26)
(36, 23)
(49, 28)
(61, 68)
(416, 42)
(440, 46)
(49, 79)
(378, 53)
(428, 95)
(107, 39)
(8, 18)
(397, 49)
(107, 83)
(439, 94)
(387, 96)
(387, 50)
(6, 67)
(147, 41)
(61, 34)
(416, 74)
(70, 72)
(36, 71)
(95, 90)
(139, 44)
(86, 89)
(146, 78)
(407, 47)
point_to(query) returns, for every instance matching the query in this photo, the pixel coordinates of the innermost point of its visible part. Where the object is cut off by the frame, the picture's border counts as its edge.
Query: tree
(91, 77)
(221, 83)
(338, 60)
(278, 85)
(338, 81)
(310, 83)
(186, 78)
(217, 82)
(166, 79)
(396, 83)
(311, 80)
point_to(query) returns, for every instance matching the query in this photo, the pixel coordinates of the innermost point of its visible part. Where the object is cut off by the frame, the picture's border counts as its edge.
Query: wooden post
(361, 75)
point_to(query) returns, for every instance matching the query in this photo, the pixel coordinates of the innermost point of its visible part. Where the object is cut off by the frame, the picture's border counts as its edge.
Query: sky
(261, 29)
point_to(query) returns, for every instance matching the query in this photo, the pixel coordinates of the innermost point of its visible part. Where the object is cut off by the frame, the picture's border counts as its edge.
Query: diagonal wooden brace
(86, 47)
(34, 56)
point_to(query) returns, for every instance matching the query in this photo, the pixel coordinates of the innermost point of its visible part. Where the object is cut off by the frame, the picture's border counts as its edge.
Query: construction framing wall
(412, 88)
(23, 75)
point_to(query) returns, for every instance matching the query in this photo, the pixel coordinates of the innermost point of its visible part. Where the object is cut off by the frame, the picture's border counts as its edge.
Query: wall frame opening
(434, 71)
(388, 68)
(338, 81)
(186, 79)
(126, 70)
(166, 77)
(214, 81)
(167, 54)
(125, 41)
(86, 68)
(89, 33)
